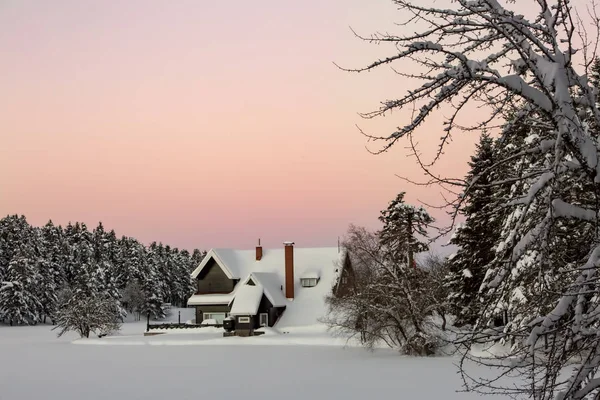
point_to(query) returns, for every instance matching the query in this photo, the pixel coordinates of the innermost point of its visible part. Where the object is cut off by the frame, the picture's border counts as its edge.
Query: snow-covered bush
(86, 314)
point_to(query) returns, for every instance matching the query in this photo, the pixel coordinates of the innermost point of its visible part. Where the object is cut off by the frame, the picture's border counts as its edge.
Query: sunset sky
(203, 124)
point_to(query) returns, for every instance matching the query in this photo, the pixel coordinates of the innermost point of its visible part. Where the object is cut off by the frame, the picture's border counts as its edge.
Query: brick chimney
(258, 251)
(289, 270)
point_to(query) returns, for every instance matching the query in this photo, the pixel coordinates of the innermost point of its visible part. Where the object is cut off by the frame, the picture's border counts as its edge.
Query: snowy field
(302, 364)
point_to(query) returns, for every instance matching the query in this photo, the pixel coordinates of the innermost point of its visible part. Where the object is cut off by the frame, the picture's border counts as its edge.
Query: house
(264, 287)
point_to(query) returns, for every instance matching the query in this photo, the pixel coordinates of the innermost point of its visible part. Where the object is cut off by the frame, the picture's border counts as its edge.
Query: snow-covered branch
(540, 189)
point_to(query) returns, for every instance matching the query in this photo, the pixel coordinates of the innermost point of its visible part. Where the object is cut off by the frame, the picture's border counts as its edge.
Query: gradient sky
(202, 124)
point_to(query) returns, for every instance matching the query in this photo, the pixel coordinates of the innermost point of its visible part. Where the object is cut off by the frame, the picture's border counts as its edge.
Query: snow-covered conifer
(476, 237)
(404, 230)
(19, 303)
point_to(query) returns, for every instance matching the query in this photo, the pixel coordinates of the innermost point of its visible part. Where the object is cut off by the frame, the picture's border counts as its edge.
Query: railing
(177, 325)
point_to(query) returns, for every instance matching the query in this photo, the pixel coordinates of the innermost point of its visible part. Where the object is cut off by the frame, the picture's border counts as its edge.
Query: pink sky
(201, 124)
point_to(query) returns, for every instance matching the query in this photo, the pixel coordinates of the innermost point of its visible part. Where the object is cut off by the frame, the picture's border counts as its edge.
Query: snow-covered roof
(308, 305)
(208, 299)
(238, 264)
(247, 299)
(271, 286)
(310, 275)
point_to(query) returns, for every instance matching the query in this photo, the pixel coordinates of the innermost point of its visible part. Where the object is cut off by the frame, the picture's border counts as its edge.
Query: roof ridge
(276, 248)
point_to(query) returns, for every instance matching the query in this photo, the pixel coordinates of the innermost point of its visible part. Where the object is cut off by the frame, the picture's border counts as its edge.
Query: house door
(264, 319)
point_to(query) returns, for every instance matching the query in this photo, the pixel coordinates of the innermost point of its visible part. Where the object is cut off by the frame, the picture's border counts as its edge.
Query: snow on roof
(308, 306)
(247, 299)
(208, 299)
(271, 286)
(310, 275)
(238, 264)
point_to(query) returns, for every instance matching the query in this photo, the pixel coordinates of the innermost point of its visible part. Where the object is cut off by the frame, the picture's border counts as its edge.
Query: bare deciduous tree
(85, 314)
(390, 303)
(133, 299)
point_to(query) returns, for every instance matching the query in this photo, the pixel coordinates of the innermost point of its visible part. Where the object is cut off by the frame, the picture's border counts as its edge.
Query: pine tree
(18, 301)
(185, 286)
(404, 227)
(522, 296)
(153, 286)
(14, 231)
(54, 256)
(106, 255)
(152, 303)
(196, 258)
(476, 238)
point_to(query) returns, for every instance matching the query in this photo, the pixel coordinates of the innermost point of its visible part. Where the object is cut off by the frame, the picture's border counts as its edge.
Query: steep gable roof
(238, 264)
(271, 285)
(247, 299)
(213, 254)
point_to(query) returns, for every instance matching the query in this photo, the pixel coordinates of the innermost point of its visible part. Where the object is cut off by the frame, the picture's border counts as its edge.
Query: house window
(218, 317)
(344, 280)
(244, 320)
(308, 282)
(263, 319)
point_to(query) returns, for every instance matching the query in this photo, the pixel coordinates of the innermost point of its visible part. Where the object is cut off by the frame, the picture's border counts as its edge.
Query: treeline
(46, 269)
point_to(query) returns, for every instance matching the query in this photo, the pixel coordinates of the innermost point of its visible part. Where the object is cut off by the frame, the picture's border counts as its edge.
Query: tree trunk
(409, 229)
(443, 315)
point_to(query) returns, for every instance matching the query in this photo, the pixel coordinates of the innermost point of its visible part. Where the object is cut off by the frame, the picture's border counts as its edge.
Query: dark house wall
(274, 313)
(213, 280)
(265, 307)
(347, 279)
(243, 328)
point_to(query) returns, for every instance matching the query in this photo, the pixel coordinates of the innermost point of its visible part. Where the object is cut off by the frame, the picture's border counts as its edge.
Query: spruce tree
(476, 238)
(404, 230)
(152, 283)
(196, 258)
(55, 254)
(18, 301)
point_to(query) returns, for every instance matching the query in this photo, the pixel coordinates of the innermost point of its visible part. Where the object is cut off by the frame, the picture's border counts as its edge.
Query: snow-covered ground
(304, 363)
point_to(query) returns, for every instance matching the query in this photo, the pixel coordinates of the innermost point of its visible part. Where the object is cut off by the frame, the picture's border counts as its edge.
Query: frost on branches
(534, 72)
(86, 313)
